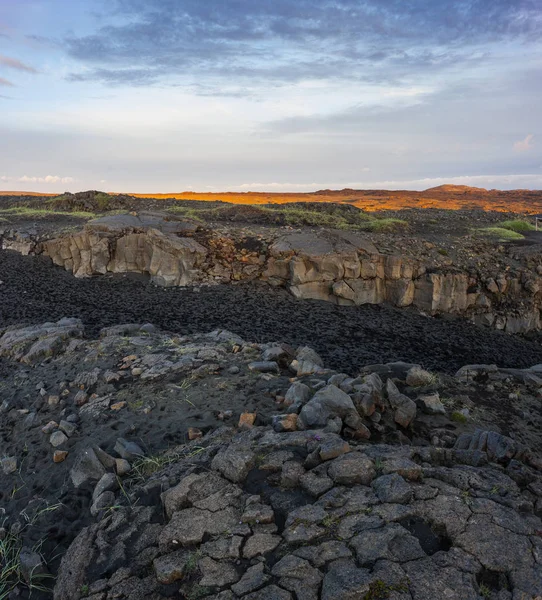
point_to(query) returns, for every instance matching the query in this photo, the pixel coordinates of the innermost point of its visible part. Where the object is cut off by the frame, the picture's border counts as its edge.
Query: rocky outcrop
(346, 269)
(370, 521)
(132, 244)
(335, 266)
(323, 485)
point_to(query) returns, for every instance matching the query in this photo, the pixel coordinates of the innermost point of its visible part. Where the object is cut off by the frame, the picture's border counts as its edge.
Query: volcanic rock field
(233, 404)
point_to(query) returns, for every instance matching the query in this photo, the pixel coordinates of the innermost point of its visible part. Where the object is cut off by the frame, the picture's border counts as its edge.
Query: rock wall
(347, 270)
(336, 266)
(128, 244)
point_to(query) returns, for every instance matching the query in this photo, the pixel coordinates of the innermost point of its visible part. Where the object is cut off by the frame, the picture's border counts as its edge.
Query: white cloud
(46, 179)
(51, 179)
(525, 144)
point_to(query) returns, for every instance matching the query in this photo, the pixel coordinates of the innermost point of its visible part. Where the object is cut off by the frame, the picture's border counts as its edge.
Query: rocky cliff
(342, 267)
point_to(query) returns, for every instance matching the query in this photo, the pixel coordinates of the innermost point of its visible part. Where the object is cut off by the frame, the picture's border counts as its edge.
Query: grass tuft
(500, 234)
(41, 213)
(517, 225)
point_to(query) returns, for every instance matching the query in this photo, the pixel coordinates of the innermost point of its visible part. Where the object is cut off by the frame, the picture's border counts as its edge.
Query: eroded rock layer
(336, 266)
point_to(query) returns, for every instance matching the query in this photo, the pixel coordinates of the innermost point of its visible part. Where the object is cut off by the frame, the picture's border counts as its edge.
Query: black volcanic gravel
(34, 291)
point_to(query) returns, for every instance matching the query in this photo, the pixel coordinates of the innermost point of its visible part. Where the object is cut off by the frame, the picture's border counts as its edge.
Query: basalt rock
(341, 267)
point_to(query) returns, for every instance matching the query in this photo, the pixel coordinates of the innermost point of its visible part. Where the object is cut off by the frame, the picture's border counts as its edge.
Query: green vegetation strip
(500, 234)
(295, 217)
(517, 225)
(40, 213)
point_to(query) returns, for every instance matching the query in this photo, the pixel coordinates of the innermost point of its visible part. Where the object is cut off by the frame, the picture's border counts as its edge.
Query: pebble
(9, 465)
(67, 427)
(118, 405)
(50, 427)
(53, 400)
(122, 466)
(194, 433)
(59, 456)
(58, 438)
(246, 420)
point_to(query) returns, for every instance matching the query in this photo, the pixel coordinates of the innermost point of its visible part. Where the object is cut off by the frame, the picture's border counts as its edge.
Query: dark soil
(34, 291)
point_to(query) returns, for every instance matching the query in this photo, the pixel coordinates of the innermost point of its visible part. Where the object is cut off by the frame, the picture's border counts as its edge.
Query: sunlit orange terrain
(453, 197)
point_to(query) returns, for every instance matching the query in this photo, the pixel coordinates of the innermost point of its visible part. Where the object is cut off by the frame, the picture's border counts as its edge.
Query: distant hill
(457, 189)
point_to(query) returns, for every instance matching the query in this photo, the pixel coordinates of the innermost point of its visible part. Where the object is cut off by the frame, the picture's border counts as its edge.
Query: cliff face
(336, 266)
(347, 270)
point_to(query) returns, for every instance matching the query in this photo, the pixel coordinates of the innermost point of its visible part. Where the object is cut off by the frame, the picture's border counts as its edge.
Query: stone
(418, 377)
(171, 567)
(31, 565)
(194, 433)
(326, 404)
(315, 484)
(264, 367)
(68, 428)
(428, 580)
(80, 398)
(291, 474)
(260, 544)
(87, 467)
(58, 438)
(215, 573)
(351, 469)
(346, 581)
(271, 592)
(297, 575)
(253, 579)
(103, 502)
(53, 400)
(286, 422)
(431, 404)
(9, 465)
(303, 368)
(59, 456)
(234, 463)
(107, 483)
(49, 427)
(333, 447)
(392, 488)
(324, 553)
(306, 353)
(189, 526)
(247, 420)
(405, 408)
(258, 513)
(128, 450)
(361, 433)
(498, 549)
(223, 548)
(296, 396)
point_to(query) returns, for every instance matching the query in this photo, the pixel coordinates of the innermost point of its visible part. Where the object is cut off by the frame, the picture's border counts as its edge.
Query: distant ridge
(451, 189)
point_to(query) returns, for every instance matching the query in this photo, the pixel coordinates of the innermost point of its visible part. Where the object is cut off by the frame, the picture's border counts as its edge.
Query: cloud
(13, 63)
(147, 41)
(5, 82)
(50, 179)
(525, 144)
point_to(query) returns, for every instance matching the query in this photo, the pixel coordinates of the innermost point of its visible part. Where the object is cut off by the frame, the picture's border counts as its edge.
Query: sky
(269, 95)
